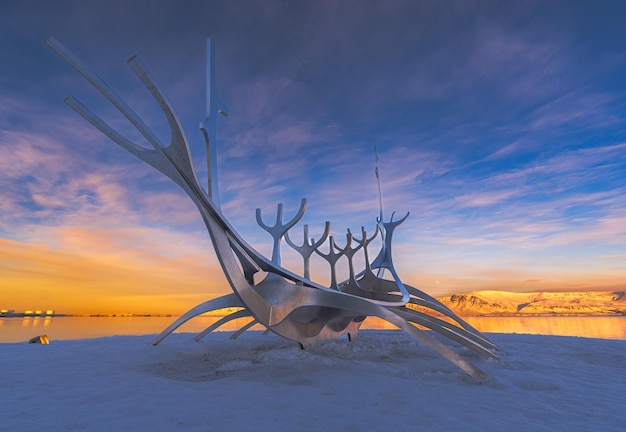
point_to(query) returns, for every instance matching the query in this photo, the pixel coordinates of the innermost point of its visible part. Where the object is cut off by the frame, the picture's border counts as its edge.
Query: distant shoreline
(24, 315)
(500, 315)
(475, 304)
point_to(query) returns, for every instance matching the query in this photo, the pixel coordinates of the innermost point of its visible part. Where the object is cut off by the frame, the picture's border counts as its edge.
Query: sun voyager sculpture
(290, 305)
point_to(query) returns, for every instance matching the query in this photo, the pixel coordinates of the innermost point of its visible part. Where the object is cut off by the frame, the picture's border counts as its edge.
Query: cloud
(77, 230)
(485, 199)
(90, 264)
(578, 109)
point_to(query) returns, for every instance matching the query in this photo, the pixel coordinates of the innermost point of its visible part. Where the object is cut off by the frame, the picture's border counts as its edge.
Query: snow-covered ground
(382, 381)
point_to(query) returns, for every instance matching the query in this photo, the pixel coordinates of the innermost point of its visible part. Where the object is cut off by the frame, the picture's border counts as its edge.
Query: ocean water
(63, 328)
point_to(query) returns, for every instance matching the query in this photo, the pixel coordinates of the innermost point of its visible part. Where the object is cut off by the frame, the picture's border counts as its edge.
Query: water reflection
(59, 328)
(591, 327)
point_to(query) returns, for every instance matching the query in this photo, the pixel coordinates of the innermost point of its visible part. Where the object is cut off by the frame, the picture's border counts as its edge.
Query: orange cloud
(88, 274)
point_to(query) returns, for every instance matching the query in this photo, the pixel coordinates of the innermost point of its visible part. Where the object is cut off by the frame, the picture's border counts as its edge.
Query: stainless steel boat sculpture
(292, 306)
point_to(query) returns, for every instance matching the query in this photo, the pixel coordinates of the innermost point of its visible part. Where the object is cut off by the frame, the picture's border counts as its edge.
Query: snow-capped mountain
(537, 303)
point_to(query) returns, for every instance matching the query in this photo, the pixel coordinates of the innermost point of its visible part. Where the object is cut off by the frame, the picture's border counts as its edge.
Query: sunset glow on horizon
(500, 127)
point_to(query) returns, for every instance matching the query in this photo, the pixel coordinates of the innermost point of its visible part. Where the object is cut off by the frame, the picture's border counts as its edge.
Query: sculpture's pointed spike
(279, 214)
(306, 233)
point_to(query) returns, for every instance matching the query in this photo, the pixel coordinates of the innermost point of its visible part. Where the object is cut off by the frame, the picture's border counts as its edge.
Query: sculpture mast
(209, 126)
(380, 195)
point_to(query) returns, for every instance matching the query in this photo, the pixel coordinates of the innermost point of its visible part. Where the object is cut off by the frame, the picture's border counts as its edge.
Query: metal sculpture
(292, 306)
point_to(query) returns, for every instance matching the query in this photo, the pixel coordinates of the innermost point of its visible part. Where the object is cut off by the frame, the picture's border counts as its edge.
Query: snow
(383, 380)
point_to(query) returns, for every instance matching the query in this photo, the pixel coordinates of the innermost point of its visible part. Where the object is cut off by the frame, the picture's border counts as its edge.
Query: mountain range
(537, 303)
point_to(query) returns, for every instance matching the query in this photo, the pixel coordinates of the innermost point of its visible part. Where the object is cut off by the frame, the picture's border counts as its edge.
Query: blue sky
(499, 126)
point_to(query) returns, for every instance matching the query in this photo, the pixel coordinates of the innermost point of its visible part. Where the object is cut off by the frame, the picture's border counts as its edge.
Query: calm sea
(58, 328)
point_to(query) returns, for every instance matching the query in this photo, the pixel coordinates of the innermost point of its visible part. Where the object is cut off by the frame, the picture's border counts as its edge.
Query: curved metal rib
(243, 329)
(425, 300)
(178, 151)
(229, 300)
(106, 91)
(458, 334)
(235, 315)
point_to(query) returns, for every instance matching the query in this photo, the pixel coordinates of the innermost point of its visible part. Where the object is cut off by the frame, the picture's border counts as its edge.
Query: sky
(500, 127)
